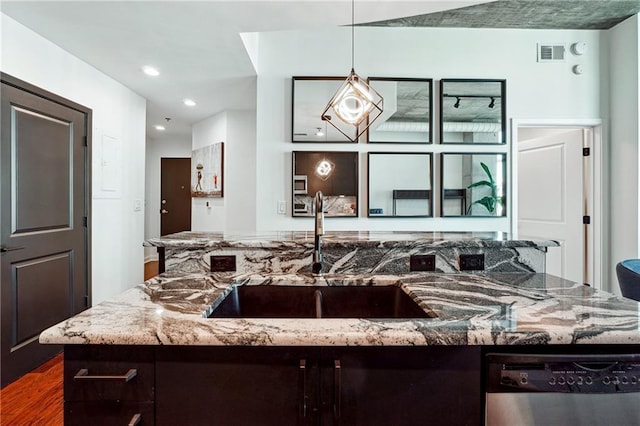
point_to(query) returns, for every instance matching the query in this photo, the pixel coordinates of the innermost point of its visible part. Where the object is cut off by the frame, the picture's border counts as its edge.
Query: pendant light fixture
(355, 101)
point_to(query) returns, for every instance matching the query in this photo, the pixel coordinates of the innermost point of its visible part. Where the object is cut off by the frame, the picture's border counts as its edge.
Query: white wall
(117, 230)
(624, 57)
(534, 90)
(240, 173)
(236, 211)
(156, 148)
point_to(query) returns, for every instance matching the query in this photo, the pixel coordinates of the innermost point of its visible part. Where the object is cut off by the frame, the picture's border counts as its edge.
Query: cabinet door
(108, 373)
(107, 413)
(236, 386)
(401, 386)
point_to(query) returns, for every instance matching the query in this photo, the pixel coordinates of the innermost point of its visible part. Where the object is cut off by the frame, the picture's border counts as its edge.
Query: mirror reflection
(472, 111)
(333, 173)
(406, 117)
(473, 185)
(310, 96)
(400, 185)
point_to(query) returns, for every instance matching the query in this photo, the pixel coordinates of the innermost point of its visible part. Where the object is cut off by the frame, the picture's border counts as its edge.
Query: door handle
(337, 388)
(164, 211)
(8, 249)
(83, 374)
(302, 391)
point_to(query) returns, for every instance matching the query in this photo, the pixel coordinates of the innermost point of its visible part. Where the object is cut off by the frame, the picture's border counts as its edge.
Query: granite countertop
(482, 309)
(188, 239)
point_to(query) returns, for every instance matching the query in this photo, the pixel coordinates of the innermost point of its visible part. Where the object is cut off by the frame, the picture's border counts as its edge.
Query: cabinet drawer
(112, 413)
(99, 373)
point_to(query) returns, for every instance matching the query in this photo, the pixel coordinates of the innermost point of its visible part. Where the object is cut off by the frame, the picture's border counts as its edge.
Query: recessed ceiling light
(149, 70)
(158, 127)
(189, 102)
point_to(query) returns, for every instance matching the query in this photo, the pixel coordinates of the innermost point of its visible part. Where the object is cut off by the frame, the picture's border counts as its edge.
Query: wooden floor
(37, 397)
(150, 269)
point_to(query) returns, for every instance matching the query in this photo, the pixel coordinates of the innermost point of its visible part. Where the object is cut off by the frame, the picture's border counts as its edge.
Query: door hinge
(586, 152)
(85, 141)
(586, 220)
(86, 301)
(85, 221)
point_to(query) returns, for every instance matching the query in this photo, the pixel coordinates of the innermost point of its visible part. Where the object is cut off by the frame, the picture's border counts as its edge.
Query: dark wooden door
(43, 214)
(175, 195)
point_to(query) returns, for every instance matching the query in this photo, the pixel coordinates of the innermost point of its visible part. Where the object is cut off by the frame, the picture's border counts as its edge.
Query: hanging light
(354, 101)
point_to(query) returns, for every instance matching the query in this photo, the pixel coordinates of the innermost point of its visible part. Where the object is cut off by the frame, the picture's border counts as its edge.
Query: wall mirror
(407, 111)
(310, 96)
(473, 185)
(333, 173)
(472, 111)
(400, 185)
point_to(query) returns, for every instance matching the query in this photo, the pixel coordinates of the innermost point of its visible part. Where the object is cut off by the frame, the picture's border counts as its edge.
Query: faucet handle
(319, 213)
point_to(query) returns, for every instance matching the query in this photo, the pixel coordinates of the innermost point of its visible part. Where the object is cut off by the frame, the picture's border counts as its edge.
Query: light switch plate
(282, 207)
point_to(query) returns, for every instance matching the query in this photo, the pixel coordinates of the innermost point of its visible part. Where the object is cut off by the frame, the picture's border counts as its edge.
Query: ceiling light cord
(353, 2)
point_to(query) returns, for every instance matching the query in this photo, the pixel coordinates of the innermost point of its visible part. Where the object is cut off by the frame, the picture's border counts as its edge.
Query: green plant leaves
(489, 202)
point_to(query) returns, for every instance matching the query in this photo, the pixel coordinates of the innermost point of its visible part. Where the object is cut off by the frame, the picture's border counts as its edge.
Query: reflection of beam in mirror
(407, 110)
(476, 102)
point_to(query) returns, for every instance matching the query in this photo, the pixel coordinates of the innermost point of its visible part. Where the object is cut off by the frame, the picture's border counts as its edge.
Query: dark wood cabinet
(234, 386)
(108, 413)
(319, 386)
(107, 385)
(401, 386)
(264, 386)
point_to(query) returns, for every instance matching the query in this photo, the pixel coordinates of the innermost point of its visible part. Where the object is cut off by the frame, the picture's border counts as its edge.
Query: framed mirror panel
(406, 117)
(400, 184)
(472, 111)
(333, 173)
(474, 185)
(310, 96)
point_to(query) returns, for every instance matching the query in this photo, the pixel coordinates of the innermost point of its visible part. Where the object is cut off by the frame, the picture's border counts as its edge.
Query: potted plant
(489, 202)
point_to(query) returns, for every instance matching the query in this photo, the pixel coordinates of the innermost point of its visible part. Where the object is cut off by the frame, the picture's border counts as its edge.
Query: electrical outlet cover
(422, 262)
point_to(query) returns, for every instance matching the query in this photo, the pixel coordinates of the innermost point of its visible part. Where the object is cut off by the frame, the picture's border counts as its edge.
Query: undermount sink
(279, 301)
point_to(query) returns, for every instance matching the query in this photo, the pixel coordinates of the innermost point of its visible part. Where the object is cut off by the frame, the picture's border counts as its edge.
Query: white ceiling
(196, 45)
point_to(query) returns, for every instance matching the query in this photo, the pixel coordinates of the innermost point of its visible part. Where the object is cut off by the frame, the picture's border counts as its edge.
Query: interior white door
(551, 197)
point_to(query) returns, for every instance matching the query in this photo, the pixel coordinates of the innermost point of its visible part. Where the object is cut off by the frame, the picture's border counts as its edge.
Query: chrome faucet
(316, 268)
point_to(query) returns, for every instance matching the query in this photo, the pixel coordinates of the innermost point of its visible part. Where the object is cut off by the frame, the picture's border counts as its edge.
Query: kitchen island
(192, 369)
(183, 348)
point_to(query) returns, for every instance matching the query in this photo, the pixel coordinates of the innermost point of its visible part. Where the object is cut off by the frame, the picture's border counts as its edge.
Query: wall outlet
(471, 262)
(282, 207)
(422, 262)
(137, 205)
(221, 263)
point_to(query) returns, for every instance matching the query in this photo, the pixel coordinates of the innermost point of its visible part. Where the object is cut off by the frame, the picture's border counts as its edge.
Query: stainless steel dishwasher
(562, 390)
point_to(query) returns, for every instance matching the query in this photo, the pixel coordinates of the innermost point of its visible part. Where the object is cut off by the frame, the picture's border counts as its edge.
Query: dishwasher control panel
(563, 373)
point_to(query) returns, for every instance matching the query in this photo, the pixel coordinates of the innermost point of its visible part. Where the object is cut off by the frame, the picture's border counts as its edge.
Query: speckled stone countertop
(482, 309)
(188, 239)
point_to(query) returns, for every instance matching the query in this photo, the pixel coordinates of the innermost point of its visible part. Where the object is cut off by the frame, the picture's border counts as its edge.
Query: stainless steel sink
(280, 301)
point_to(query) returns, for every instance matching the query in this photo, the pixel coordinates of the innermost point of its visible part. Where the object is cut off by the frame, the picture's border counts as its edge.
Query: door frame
(42, 93)
(598, 203)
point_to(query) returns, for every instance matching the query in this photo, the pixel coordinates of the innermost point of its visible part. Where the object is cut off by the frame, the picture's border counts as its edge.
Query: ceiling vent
(551, 52)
